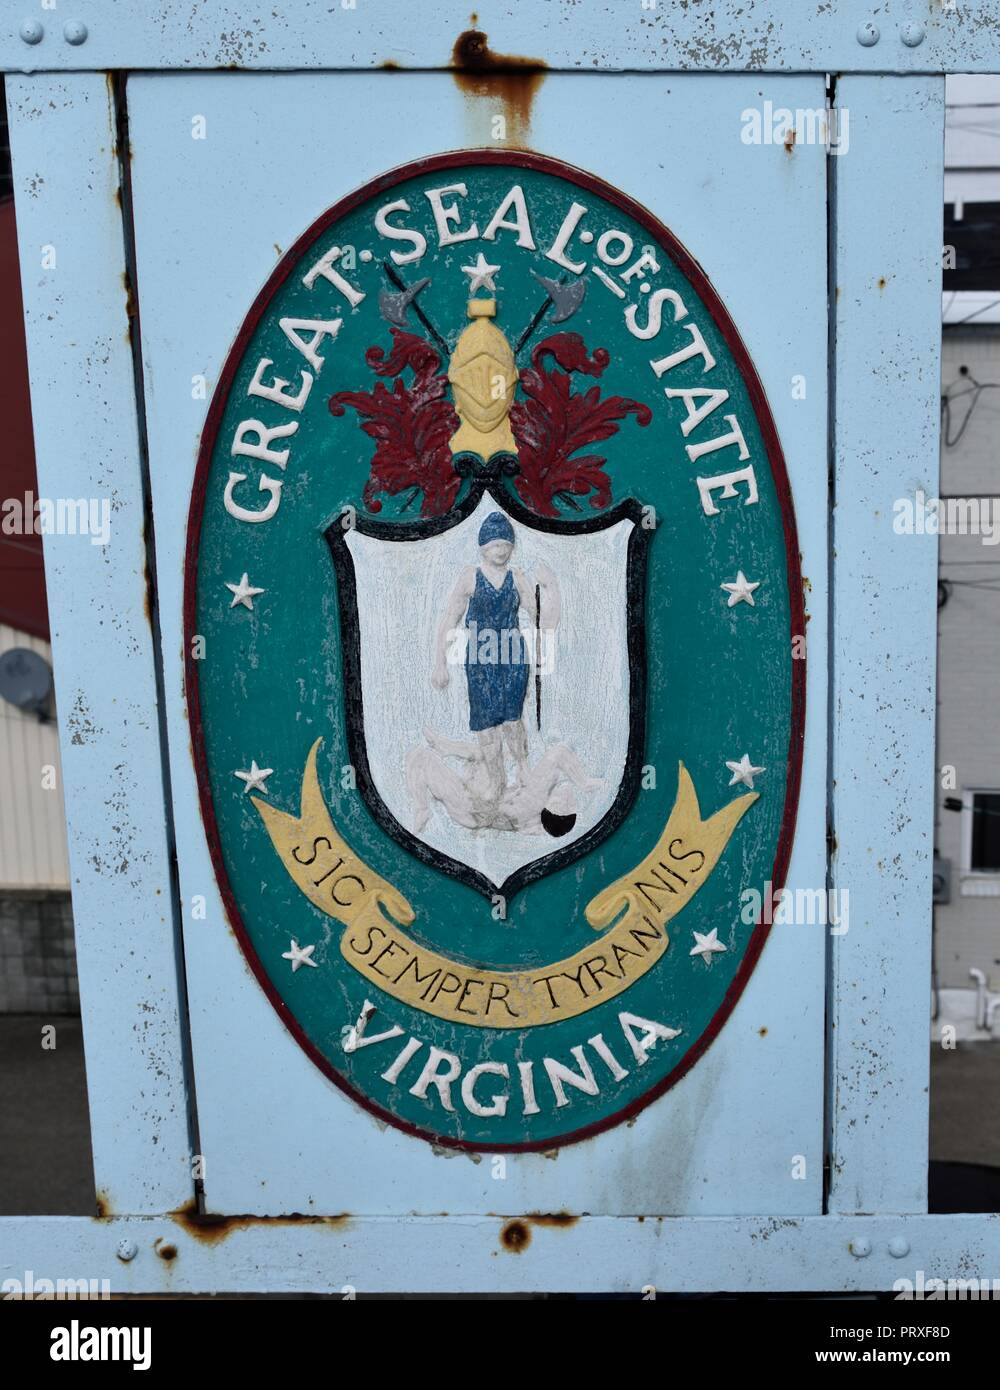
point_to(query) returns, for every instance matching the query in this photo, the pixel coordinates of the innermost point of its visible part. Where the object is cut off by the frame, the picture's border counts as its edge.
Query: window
(984, 843)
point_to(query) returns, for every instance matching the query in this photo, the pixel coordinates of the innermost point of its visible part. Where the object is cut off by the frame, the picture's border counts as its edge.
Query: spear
(393, 307)
(538, 650)
(566, 298)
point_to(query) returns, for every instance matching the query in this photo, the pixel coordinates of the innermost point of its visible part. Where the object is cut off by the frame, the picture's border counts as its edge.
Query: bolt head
(860, 1247)
(898, 1247)
(868, 34)
(913, 35)
(127, 1250)
(32, 31)
(75, 32)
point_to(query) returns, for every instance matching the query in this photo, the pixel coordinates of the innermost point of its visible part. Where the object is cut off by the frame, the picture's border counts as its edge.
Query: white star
(243, 593)
(481, 275)
(255, 778)
(743, 771)
(300, 955)
(707, 945)
(741, 591)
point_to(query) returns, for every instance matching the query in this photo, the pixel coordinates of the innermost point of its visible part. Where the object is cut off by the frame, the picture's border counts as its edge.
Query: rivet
(898, 1247)
(75, 32)
(913, 35)
(127, 1250)
(868, 34)
(860, 1247)
(32, 31)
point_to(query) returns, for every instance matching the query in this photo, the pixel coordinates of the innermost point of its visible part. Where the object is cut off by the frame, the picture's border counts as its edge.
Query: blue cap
(496, 527)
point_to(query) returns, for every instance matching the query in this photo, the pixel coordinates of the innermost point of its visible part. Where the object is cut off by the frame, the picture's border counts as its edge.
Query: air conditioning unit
(942, 879)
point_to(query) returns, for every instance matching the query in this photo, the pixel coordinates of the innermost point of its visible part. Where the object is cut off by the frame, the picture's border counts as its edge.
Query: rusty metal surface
(534, 1253)
(886, 382)
(762, 1077)
(587, 35)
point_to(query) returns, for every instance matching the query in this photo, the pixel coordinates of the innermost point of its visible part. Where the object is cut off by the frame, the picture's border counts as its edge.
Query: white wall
(968, 930)
(32, 820)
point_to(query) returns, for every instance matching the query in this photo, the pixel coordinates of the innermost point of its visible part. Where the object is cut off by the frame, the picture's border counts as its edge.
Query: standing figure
(488, 599)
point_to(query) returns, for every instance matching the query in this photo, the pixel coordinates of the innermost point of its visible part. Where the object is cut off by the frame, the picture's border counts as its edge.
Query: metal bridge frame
(886, 64)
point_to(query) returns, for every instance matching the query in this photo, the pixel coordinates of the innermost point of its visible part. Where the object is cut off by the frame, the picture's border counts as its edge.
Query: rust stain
(211, 1230)
(131, 310)
(147, 575)
(790, 141)
(881, 282)
(164, 1249)
(515, 1237)
(127, 280)
(103, 1204)
(509, 79)
(762, 1032)
(552, 1218)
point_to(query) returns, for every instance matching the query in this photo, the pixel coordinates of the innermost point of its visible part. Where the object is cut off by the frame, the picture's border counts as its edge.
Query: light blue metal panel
(487, 1254)
(278, 1137)
(888, 334)
(727, 35)
(87, 446)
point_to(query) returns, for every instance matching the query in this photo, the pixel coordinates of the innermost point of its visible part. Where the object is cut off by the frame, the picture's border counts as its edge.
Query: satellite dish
(26, 680)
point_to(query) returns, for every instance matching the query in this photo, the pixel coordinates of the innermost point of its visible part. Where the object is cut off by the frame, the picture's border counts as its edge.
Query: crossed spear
(565, 296)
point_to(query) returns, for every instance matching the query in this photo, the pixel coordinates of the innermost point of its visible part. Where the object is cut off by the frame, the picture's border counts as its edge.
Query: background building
(37, 963)
(968, 839)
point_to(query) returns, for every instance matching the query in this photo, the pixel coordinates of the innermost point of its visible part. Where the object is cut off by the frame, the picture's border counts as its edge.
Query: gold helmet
(483, 378)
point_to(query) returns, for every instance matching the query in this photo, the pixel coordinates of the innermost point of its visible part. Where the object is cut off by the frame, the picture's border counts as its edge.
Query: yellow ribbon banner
(639, 904)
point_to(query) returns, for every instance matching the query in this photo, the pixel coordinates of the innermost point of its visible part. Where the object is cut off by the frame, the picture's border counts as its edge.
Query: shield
(497, 806)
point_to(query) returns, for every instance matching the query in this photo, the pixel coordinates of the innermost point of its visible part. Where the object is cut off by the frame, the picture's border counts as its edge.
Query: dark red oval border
(697, 277)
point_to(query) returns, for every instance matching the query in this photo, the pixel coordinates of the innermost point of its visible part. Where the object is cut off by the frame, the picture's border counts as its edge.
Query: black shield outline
(635, 611)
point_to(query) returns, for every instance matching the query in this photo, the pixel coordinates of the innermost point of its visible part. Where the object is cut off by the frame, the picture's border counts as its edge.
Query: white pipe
(991, 1009)
(980, 980)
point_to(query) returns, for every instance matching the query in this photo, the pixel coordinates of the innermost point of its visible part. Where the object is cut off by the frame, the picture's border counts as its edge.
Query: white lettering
(400, 233)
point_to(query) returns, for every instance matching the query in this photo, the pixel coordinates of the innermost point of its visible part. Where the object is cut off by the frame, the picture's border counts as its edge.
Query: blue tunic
(496, 662)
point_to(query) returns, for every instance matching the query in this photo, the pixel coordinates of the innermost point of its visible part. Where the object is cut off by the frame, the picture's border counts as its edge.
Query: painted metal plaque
(495, 651)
